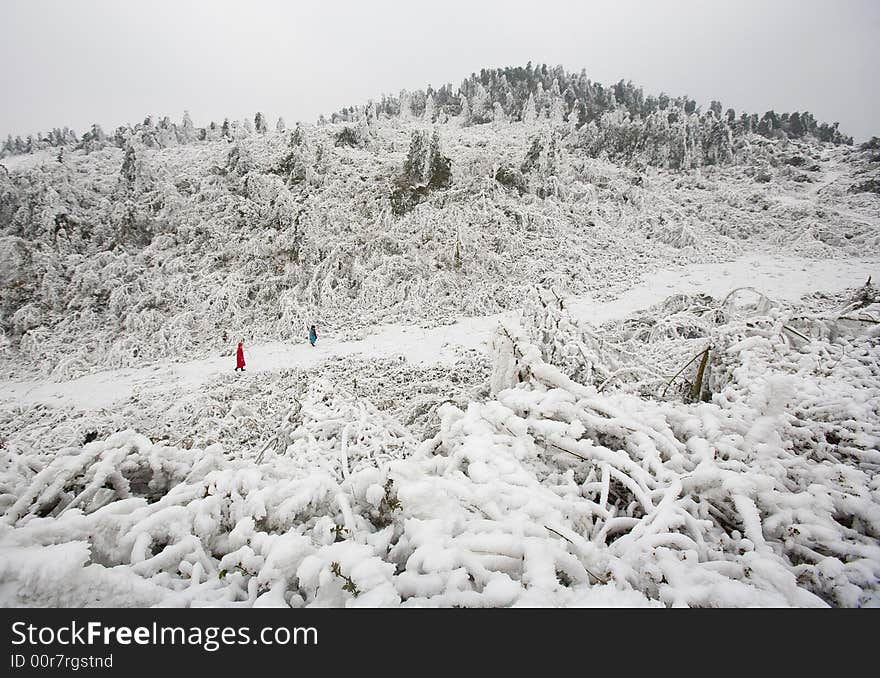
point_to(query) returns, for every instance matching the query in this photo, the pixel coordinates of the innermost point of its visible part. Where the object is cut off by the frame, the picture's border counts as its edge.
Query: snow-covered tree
(405, 100)
(529, 114)
(260, 123)
(187, 131)
(557, 104)
(428, 115)
(498, 113)
(480, 105)
(465, 114)
(416, 169)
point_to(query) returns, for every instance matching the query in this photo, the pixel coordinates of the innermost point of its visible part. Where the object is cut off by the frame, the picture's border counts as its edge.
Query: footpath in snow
(786, 278)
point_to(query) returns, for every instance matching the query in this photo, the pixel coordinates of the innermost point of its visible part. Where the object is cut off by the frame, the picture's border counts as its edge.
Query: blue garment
(312, 336)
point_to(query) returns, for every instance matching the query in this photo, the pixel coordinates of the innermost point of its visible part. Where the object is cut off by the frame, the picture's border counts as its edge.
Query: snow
(547, 493)
(648, 388)
(788, 278)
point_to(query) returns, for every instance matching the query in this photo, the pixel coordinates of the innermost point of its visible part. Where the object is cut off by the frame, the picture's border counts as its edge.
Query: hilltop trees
(517, 94)
(534, 93)
(150, 133)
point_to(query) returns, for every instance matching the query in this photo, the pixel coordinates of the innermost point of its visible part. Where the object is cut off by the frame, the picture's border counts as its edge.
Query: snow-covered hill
(575, 356)
(116, 257)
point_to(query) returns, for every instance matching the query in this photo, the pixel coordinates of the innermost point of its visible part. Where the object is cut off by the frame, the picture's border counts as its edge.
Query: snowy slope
(296, 491)
(785, 278)
(552, 368)
(108, 268)
(285, 487)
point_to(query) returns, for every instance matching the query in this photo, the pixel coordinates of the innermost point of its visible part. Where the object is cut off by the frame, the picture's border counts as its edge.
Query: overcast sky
(75, 62)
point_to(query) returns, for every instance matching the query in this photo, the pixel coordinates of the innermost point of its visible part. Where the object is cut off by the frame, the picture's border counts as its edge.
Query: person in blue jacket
(313, 335)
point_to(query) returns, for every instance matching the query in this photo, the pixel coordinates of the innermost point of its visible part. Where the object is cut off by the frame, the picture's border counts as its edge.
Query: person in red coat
(239, 357)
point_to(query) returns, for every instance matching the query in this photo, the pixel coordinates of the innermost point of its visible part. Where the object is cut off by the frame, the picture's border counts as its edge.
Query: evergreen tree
(796, 127)
(428, 115)
(556, 104)
(480, 106)
(529, 114)
(465, 113)
(439, 166)
(295, 165)
(187, 131)
(405, 104)
(260, 123)
(298, 136)
(498, 113)
(414, 168)
(540, 103)
(128, 172)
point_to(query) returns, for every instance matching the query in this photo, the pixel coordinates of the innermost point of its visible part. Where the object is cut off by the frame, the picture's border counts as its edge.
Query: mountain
(165, 239)
(576, 346)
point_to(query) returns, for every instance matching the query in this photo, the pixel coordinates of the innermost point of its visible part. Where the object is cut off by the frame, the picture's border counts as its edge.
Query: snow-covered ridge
(113, 257)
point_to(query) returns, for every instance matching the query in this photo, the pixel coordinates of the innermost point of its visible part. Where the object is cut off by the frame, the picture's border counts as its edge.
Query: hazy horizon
(98, 61)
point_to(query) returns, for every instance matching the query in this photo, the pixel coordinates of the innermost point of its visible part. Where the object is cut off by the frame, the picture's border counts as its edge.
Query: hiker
(239, 357)
(313, 335)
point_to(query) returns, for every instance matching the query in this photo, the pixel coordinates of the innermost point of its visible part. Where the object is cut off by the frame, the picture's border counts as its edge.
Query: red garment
(239, 357)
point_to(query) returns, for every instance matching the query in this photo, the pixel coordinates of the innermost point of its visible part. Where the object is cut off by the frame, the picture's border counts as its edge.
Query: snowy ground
(456, 466)
(787, 278)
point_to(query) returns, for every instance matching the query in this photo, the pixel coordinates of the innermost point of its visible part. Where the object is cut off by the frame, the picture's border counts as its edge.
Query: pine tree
(439, 166)
(498, 112)
(556, 104)
(414, 168)
(280, 126)
(187, 131)
(295, 165)
(372, 113)
(128, 172)
(540, 102)
(510, 106)
(529, 114)
(465, 113)
(298, 136)
(796, 127)
(480, 105)
(405, 104)
(260, 123)
(428, 115)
